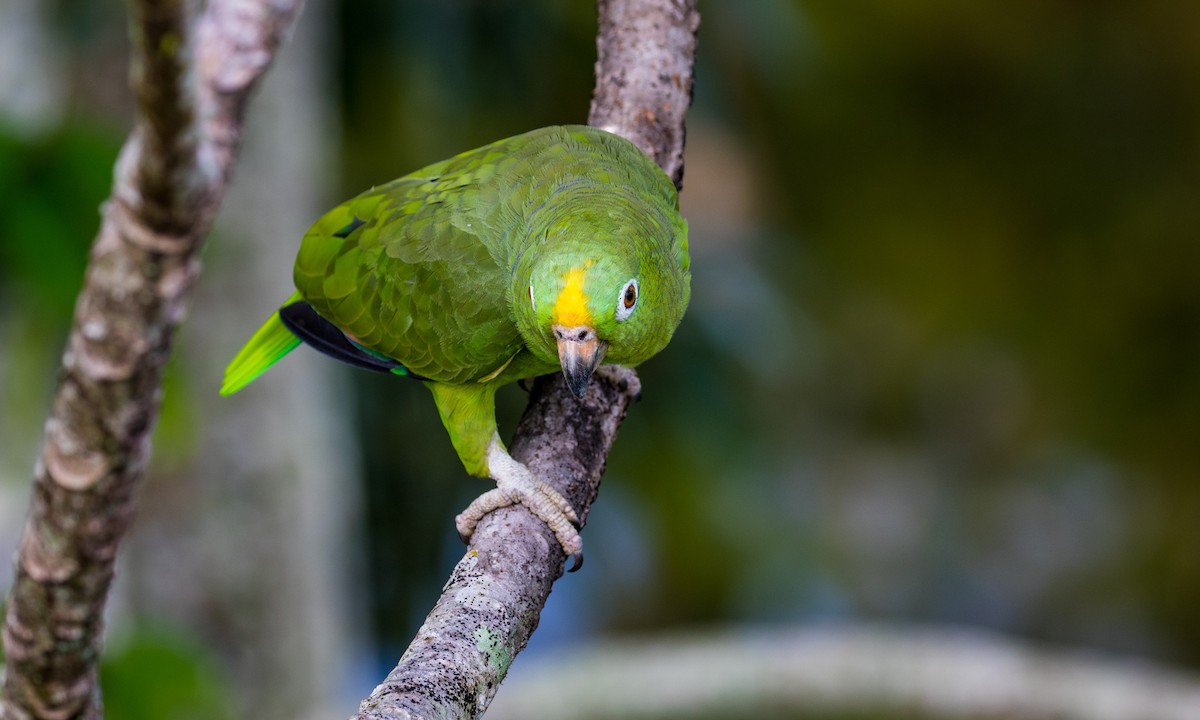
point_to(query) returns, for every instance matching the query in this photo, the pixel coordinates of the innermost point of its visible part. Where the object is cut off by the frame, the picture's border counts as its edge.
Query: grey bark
(645, 53)
(492, 601)
(191, 78)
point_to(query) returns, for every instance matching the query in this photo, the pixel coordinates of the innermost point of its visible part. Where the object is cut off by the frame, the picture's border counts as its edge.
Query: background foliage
(943, 359)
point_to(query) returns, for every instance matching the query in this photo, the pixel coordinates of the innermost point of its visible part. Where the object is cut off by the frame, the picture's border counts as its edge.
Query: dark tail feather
(322, 335)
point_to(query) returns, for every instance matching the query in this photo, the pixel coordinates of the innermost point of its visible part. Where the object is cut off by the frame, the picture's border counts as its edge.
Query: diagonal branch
(492, 601)
(191, 77)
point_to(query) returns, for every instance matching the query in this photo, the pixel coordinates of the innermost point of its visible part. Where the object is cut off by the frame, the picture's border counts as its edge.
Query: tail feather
(321, 335)
(270, 343)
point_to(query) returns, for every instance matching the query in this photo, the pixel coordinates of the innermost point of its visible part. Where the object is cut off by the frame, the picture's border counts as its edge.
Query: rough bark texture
(492, 602)
(169, 180)
(645, 53)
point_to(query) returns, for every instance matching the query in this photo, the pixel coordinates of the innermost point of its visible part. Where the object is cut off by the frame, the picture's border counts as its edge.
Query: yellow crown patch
(571, 305)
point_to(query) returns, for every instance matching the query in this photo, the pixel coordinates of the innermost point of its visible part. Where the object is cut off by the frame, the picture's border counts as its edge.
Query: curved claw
(515, 484)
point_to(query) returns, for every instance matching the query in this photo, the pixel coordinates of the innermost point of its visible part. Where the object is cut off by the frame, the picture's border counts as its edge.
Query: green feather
(438, 270)
(265, 348)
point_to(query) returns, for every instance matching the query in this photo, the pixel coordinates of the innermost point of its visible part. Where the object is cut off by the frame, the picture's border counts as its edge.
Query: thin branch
(854, 671)
(492, 602)
(170, 178)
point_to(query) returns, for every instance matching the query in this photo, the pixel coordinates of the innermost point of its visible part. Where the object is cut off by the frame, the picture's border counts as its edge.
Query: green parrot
(553, 250)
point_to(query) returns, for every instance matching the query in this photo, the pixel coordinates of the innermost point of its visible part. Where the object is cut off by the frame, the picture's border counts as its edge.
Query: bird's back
(419, 269)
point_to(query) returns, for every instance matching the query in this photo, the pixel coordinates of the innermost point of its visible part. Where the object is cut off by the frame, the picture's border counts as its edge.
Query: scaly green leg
(469, 414)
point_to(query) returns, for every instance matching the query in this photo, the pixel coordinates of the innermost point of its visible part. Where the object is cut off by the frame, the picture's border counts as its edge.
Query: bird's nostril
(573, 334)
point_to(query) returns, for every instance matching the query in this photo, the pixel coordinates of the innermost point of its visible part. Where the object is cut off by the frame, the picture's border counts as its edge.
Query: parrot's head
(607, 288)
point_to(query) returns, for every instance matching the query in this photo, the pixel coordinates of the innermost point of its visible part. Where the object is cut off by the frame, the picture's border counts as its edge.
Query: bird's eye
(627, 301)
(532, 302)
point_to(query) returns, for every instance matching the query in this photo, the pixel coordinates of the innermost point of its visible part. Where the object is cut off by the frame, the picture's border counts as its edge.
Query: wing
(410, 270)
(419, 269)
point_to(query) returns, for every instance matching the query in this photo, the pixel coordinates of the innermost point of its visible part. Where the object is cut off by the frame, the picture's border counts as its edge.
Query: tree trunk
(191, 77)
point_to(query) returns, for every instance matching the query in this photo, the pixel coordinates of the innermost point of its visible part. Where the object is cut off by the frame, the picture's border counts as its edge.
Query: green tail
(268, 345)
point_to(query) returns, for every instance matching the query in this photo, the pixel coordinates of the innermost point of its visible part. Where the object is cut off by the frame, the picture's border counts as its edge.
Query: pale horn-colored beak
(579, 353)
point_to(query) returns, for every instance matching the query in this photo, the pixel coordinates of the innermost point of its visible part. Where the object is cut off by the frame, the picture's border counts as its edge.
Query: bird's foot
(515, 484)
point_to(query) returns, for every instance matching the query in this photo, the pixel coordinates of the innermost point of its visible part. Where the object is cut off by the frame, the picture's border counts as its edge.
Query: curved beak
(579, 353)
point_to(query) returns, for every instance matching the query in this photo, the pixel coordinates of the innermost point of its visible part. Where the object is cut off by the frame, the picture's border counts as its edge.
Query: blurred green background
(942, 364)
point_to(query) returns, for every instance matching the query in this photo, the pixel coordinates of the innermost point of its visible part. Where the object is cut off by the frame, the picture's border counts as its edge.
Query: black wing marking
(323, 336)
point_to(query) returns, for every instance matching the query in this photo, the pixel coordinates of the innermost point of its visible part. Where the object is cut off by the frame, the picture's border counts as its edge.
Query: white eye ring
(627, 299)
(532, 302)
